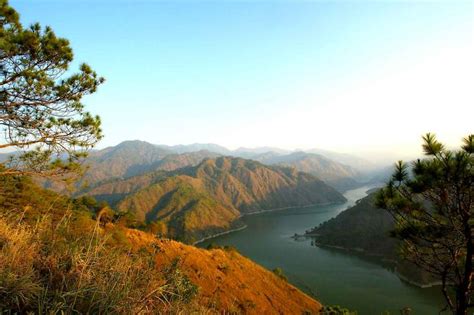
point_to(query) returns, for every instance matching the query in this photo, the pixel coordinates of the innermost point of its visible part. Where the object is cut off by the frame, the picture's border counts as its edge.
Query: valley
(236, 157)
(355, 281)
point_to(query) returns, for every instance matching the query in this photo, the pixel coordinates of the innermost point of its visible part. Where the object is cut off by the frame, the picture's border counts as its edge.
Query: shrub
(336, 310)
(178, 287)
(279, 273)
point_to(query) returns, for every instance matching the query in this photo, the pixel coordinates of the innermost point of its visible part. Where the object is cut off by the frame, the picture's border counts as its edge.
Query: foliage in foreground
(336, 310)
(41, 113)
(56, 258)
(433, 208)
(280, 274)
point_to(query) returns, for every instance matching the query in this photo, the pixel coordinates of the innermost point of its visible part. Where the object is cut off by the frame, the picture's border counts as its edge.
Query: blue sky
(350, 76)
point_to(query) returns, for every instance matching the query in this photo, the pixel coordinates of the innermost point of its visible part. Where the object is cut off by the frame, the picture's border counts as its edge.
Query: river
(332, 276)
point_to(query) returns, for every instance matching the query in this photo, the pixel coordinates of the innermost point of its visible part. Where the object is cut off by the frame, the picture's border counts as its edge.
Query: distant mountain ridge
(338, 175)
(135, 157)
(198, 201)
(164, 157)
(132, 158)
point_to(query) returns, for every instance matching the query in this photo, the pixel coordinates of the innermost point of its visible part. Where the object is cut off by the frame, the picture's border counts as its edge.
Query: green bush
(336, 310)
(178, 287)
(279, 273)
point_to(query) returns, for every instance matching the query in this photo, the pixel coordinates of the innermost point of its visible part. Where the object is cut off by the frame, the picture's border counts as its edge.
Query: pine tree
(41, 114)
(433, 210)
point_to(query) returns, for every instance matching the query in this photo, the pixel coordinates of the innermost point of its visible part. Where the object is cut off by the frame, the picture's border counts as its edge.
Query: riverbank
(220, 234)
(415, 283)
(267, 241)
(293, 207)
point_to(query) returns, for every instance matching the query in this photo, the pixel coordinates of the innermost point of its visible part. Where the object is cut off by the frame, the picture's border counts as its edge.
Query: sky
(363, 77)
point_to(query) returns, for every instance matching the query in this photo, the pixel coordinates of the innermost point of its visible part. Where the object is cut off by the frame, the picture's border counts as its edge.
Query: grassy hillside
(182, 204)
(233, 283)
(58, 255)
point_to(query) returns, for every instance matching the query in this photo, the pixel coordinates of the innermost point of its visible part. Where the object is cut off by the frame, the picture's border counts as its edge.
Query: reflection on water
(332, 276)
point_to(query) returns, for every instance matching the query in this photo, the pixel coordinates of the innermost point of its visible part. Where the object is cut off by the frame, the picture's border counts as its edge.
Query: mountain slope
(120, 270)
(355, 162)
(234, 284)
(362, 227)
(132, 158)
(196, 202)
(251, 186)
(335, 174)
(175, 161)
(181, 203)
(127, 159)
(365, 229)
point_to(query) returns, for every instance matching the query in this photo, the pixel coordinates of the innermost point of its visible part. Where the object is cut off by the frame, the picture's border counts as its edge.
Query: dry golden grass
(78, 267)
(55, 258)
(228, 282)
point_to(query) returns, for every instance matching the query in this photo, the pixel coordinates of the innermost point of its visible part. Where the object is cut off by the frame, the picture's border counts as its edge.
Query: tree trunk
(464, 290)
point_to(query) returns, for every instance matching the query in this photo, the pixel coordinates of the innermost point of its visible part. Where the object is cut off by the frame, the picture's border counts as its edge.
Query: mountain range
(340, 176)
(197, 201)
(189, 192)
(131, 158)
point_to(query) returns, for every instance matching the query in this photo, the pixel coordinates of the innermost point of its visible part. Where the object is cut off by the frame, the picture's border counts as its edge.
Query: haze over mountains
(136, 157)
(189, 192)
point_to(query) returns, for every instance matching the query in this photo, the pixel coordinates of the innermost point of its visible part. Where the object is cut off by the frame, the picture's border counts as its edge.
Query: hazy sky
(350, 76)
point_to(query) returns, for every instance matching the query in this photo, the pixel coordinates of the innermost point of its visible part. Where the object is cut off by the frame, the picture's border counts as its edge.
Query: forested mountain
(131, 158)
(127, 159)
(365, 229)
(176, 161)
(195, 202)
(362, 227)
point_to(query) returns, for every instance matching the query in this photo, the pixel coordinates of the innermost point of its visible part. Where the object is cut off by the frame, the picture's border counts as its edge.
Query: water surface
(332, 276)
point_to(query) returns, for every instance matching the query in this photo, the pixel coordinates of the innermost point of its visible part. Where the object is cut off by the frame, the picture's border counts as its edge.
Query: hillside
(176, 161)
(362, 227)
(127, 159)
(353, 161)
(58, 255)
(340, 176)
(366, 230)
(196, 202)
(231, 283)
(131, 158)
